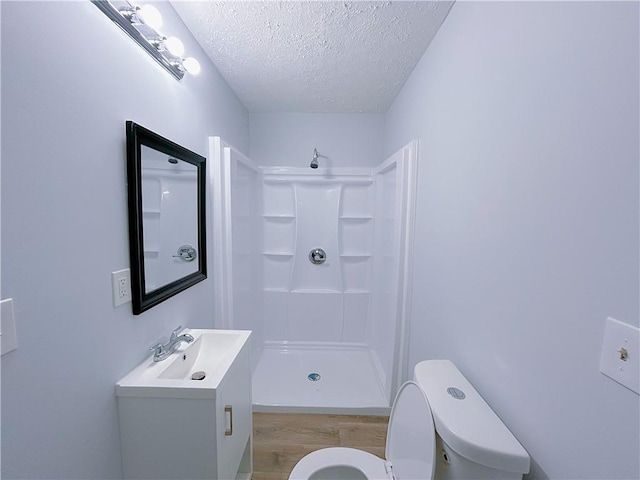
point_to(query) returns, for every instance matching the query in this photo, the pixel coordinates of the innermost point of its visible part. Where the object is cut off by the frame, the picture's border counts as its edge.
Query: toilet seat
(372, 467)
(410, 449)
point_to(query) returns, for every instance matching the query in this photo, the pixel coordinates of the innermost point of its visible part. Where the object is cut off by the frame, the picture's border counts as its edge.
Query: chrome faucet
(161, 351)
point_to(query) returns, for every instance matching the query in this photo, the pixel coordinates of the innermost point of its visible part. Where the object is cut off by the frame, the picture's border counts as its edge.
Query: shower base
(348, 382)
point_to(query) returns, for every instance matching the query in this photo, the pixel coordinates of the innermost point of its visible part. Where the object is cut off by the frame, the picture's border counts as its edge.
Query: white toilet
(468, 441)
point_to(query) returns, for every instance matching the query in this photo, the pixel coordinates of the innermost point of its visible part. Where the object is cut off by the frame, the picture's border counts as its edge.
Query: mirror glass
(166, 217)
(169, 216)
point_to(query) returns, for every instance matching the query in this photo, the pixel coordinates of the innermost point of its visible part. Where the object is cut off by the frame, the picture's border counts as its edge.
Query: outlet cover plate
(121, 286)
(621, 340)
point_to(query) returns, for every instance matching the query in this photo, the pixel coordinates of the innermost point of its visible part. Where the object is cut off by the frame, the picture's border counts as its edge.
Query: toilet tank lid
(465, 421)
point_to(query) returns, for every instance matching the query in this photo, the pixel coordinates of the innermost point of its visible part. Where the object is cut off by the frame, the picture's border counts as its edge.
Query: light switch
(620, 358)
(8, 339)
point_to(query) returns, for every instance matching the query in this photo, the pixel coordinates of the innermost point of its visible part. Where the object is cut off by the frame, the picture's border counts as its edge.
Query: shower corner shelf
(279, 217)
(356, 218)
(151, 212)
(355, 255)
(275, 180)
(278, 254)
(315, 290)
(275, 290)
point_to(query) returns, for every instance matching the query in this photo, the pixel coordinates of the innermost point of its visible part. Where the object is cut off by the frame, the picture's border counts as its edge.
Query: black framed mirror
(167, 219)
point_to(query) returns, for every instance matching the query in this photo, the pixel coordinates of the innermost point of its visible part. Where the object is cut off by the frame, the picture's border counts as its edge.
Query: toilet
(440, 427)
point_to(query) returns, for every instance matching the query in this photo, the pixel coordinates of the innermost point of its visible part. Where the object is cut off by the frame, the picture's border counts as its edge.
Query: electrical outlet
(121, 284)
(123, 291)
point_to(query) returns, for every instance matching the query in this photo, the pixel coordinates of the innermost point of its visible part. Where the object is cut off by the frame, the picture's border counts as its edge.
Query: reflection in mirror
(169, 216)
(166, 217)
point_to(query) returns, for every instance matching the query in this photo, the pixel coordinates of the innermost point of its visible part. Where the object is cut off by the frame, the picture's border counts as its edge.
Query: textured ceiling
(314, 56)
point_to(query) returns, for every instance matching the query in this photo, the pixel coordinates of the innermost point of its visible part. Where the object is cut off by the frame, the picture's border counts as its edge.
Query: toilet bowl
(440, 427)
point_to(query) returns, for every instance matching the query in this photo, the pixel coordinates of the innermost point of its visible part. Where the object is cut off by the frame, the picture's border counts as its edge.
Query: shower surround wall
(317, 318)
(237, 216)
(305, 302)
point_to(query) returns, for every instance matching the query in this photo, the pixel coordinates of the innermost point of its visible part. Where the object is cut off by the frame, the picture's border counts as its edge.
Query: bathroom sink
(209, 357)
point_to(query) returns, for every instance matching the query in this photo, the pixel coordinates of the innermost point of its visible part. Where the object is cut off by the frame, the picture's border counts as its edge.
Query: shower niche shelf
(279, 217)
(315, 290)
(278, 234)
(278, 201)
(357, 202)
(356, 272)
(275, 290)
(151, 247)
(356, 237)
(353, 253)
(276, 270)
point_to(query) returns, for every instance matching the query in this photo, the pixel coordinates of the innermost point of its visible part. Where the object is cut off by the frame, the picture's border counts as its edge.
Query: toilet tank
(472, 441)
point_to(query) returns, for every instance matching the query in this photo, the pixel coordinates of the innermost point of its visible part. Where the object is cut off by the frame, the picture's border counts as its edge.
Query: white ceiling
(314, 56)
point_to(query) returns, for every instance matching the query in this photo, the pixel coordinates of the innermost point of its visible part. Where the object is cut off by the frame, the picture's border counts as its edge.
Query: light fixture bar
(172, 65)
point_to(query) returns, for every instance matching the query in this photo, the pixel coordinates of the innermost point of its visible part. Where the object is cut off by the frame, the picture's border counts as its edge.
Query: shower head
(172, 160)
(314, 162)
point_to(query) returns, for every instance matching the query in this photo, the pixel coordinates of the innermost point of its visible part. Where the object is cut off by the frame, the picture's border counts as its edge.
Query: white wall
(70, 79)
(342, 140)
(527, 221)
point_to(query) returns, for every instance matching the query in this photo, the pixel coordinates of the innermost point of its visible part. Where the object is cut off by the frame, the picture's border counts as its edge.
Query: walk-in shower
(316, 264)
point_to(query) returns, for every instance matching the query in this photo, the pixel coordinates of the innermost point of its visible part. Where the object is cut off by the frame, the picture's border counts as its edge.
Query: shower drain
(314, 377)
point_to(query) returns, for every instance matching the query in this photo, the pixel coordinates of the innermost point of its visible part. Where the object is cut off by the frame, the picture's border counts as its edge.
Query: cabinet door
(234, 395)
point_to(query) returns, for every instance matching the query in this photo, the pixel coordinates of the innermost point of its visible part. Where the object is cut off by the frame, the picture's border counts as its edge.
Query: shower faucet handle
(317, 256)
(186, 253)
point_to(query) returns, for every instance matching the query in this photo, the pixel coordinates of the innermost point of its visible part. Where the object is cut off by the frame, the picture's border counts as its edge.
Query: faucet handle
(157, 349)
(174, 334)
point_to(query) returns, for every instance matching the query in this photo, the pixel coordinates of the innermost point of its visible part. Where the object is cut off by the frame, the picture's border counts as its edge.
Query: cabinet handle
(229, 409)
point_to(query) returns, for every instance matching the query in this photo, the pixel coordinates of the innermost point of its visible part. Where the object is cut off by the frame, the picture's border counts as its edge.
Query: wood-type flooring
(281, 439)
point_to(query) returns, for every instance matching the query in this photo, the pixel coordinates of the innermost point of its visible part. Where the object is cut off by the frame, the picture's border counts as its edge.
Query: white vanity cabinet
(233, 415)
(188, 429)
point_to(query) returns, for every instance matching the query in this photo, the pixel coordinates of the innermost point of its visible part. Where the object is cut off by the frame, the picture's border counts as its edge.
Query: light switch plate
(620, 358)
(8, 339)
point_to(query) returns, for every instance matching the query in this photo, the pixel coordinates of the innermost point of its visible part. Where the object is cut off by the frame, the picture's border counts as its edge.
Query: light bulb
(191, 65)
(149, 15)
(175, 46)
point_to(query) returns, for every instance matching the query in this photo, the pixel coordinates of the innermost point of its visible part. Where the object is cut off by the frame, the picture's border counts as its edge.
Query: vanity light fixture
(175, 46)
(141, 24)
(149, 15)
(191, 65)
